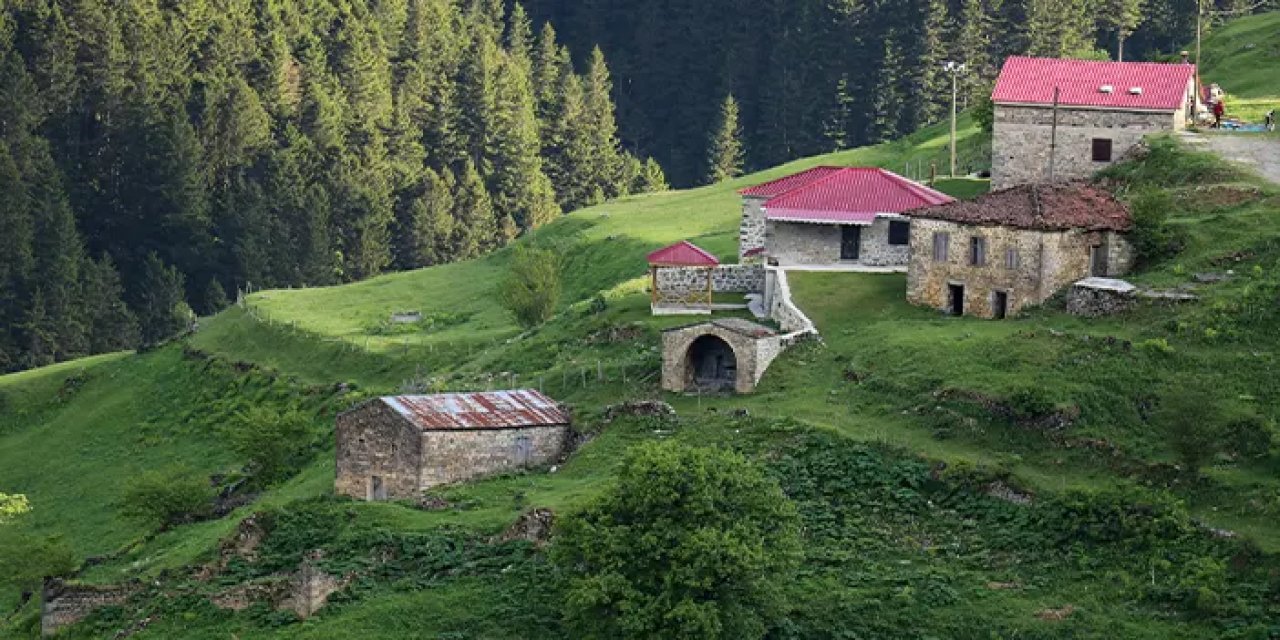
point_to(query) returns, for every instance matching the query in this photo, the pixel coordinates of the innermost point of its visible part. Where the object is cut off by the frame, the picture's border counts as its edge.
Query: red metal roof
(780, 186)
(682, 254)
(482, 410)
(1056, 207)
(852, 195)
(1161, 86)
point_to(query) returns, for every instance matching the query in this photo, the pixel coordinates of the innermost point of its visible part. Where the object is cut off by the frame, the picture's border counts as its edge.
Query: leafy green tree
(531, 290)
(275, 444)
(725, 156)
(685, 543)
(164, 498)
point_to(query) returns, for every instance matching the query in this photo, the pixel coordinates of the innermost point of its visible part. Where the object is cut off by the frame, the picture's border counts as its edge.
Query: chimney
(1186, 57)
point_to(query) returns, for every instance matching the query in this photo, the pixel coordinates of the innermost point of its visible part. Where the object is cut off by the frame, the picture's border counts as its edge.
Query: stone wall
(727, 278)
(1020, 144)
(676, 373)
(374, 440)
(782, 309)
(751, 232)
(65, 604)
(798, 243)
(450, 456)
(1095, 297)
(1046, 263)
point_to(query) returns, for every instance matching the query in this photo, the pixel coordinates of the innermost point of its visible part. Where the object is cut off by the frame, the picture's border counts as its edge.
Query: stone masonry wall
(797, 243)
(66, 604)
(675, 356)
(751, 232)
(782, 309)
(1046, 263)
(1020, 145)
(727, 278)
(450, 456)
(374, 440)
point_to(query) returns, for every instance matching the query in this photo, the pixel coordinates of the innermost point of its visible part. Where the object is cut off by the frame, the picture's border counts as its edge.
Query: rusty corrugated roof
(480, 410)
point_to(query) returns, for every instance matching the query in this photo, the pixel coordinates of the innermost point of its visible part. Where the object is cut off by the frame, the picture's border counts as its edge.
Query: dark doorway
(850, 242)
(1098, 261)
(957, 299)
(712, 365)
(377, 490)
(999, 305)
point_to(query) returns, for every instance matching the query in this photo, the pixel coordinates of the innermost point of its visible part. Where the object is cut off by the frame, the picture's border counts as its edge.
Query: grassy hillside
(901, 437)
(1242, 57)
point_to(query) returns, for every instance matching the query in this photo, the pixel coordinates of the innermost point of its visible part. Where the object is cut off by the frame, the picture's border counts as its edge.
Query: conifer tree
(520, 188)
(841, 118)
(421, 224)
(601, 126)
(974, 48)
(725, 156)
(112, 326)
(549, 59)
(59, 256)
(1122, 17)
(157, 299)
(651, 178)
(567, 145)
(16, 233)
(474, 226)
(441, 189)
(477, 94)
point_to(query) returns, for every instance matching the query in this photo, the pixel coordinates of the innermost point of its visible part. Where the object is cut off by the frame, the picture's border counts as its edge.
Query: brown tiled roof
(1039, 207)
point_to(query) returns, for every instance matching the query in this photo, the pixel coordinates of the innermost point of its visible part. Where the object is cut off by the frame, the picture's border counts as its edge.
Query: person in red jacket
(1219, 108)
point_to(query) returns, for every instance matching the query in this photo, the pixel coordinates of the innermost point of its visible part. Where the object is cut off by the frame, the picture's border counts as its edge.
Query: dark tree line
(811, 76)
(158, 154)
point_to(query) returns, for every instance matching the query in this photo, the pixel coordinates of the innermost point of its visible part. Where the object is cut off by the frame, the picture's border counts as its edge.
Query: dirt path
(1260, 153)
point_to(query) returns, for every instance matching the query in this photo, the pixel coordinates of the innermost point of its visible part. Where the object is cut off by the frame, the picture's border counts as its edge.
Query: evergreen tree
(474, 226)
(421, 225)
(549, 59)
(477, 94)
(567, 146)
(157, 299)
(725, 157)
(1122, 17)
(974, 49)
(651, 178)
(601, 127)
(841, 118)
(521, 190)
(16, 260)
(59, 256)
(112, 326)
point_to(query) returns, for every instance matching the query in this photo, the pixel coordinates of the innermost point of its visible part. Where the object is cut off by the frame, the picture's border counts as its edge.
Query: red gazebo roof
(682, 254)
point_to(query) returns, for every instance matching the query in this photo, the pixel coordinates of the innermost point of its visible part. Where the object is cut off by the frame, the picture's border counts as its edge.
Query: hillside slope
(909, 441)
(1242, 57)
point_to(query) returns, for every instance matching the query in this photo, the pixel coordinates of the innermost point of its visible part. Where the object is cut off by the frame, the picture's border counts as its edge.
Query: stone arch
(711, 364)
(719, 355)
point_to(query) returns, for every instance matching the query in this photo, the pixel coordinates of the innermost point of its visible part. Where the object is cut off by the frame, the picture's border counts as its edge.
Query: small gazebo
(681, 279)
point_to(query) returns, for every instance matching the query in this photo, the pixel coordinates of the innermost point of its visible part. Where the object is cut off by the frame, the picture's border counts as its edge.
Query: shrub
(1189, 417)
(531, 289)
(984, 113)
(274, 444)
(1154, 239)
(26, 560)
(1030, 403)
(686, 543)
(1248, 436)
(168, 497)
(12, 506)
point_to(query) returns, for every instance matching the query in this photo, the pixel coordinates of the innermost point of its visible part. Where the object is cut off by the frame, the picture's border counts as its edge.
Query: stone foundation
(65, 604)
(1096, 297)
(728, 278)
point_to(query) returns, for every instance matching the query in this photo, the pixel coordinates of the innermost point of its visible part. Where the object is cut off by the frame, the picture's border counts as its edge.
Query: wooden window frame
(977, 251)
(941, 246)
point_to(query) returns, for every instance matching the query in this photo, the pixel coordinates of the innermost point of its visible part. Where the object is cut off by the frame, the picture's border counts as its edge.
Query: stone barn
(833, 216)
(724, 355)
(1008, 249)
(1103, 109)
(395, 447)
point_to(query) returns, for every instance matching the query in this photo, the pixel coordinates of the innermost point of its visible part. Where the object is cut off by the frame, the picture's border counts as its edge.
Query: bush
(686, 543)
(1154, 239)
(531, 289)
(984, 113)
(274, 444)
(168, 497)
(12, 506)
(26, 560)
(1190, 418)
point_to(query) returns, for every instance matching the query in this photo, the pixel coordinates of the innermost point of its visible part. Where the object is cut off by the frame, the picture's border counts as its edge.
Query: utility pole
(955, 69)
(1053, 135)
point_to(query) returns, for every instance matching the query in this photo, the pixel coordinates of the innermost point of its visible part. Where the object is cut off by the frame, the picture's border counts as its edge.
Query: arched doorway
(712, 365)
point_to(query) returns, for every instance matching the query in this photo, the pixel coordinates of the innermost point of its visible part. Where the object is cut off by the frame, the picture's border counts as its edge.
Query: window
(1011, 259)
(1102, 150)
(941, 240)
(899, 232)
(977, 251)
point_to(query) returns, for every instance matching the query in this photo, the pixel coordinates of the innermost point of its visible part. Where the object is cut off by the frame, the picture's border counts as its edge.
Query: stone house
(1103, 110)
(992, 256)
(827, 216)
(397, 446)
